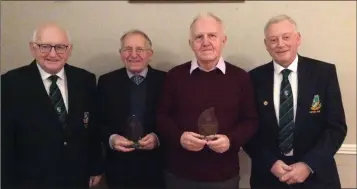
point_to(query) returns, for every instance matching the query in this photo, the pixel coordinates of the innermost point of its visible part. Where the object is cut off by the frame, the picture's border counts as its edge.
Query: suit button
(64, 143)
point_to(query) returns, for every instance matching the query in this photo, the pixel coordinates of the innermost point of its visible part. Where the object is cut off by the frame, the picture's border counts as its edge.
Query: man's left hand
(149, 142)
(300, 171)
(220, 144)
(94, 180)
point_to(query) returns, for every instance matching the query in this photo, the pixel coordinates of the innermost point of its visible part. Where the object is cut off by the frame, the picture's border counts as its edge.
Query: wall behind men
(328, 30)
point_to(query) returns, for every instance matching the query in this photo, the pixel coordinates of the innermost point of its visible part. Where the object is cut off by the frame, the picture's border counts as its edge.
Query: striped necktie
(286, 114)
(57, 100)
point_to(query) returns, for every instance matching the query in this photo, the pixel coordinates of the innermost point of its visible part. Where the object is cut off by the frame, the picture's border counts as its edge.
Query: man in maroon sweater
(206, 81)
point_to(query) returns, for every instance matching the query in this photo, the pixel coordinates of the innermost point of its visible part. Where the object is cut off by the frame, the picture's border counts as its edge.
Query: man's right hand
(120, 143)
(280, 168)
(192, 141)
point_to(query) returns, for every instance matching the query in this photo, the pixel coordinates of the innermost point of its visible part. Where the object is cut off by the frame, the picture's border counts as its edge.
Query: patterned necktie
(286, 114)
(137, 79)
(57, 100)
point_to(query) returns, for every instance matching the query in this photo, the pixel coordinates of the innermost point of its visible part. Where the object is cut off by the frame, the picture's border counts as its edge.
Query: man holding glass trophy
(127, 100)
(206, 113)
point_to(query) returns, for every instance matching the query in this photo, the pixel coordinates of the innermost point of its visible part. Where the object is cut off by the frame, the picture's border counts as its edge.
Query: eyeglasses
(46, 48)
(130, 50)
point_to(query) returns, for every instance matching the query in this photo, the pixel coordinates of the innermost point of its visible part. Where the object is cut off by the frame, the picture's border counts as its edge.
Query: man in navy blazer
(302, 119)
(48, 135)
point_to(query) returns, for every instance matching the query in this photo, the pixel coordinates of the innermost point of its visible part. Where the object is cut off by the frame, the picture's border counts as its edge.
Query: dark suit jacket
(36, 152)
(318, 134)
(140, 167)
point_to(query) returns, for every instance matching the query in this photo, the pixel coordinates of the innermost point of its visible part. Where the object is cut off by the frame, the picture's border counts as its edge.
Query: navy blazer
(320, 126)
(36, 152)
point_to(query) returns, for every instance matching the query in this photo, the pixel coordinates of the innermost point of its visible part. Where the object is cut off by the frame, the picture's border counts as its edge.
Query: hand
(219, 144)
(149, 142)
(192, 141)
(121, 144)
(94, 180)
(280, 168)
(300, 171)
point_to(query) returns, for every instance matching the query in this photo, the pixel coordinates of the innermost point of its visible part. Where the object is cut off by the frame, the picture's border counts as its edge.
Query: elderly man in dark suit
(127, 100)
(302, 119)
(48, 136)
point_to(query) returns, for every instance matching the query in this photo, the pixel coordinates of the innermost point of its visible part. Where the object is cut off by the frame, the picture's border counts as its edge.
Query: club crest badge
(86, 119)
(316, 104)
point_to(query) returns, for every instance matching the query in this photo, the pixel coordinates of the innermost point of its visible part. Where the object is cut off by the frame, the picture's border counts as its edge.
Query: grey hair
(277, 19)
(207, 14)
(34, 36)
(135, 31)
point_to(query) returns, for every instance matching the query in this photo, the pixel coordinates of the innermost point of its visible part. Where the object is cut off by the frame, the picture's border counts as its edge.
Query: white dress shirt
(220, 65)
(61, 83)
(278, 77)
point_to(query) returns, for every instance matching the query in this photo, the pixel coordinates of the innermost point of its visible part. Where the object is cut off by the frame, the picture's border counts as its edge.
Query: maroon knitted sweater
(184, 97)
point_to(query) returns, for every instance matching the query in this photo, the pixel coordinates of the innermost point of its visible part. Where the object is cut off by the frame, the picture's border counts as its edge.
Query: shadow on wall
(104, 63)
(165, 60)
(241, 61)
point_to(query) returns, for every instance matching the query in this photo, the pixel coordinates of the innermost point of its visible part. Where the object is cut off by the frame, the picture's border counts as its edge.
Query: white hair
(277, 19)
(34, 35)
(207, 14)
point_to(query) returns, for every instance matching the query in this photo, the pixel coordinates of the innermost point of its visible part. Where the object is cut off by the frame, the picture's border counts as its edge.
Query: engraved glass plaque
(208, 124)
(134, 130)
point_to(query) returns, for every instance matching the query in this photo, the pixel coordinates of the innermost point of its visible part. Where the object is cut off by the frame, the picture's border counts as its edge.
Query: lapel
(39, 93)
(268, 94)
(73, 91)
(303, 98)
(122, 87)
(150, 92)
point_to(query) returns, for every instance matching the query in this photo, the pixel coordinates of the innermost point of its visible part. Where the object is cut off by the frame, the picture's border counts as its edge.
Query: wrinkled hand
(300, 171)
(149, 142)
(192, 141)
(220, 144)
(280, 168)
(121, 144)
(94, 180)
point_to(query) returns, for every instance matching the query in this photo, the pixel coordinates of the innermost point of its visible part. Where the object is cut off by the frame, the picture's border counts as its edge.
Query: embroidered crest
(86, 119)
(316, 104)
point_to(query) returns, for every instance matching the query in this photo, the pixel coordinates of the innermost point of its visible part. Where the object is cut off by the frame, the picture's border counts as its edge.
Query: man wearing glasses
(127, 100)
(48, 137)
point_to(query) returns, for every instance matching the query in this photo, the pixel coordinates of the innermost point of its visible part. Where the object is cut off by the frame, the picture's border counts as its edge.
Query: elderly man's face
(282, 42)
(207, 39)
(135, 52)
(51, 48)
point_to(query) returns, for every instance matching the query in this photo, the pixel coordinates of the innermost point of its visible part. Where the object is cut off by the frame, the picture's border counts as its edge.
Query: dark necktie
(137, 79)
(57, 100)
(286, 114)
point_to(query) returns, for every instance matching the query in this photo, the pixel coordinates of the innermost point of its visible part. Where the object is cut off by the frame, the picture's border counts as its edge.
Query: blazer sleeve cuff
(269, 159)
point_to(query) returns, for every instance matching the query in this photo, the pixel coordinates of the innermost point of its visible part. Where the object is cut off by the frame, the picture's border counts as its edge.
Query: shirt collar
(142, 73)
(293, 66)
(220, 65)
(45, 75)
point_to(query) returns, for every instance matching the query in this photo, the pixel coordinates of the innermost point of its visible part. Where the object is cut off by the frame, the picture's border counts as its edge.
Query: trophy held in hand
(134, 131)
(208, 124)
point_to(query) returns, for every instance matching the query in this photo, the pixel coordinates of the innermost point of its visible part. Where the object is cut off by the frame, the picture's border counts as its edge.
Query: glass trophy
(208, 124)
(134, 131)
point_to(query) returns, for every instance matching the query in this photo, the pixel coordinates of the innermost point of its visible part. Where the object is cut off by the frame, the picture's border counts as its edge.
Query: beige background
(328, 33)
